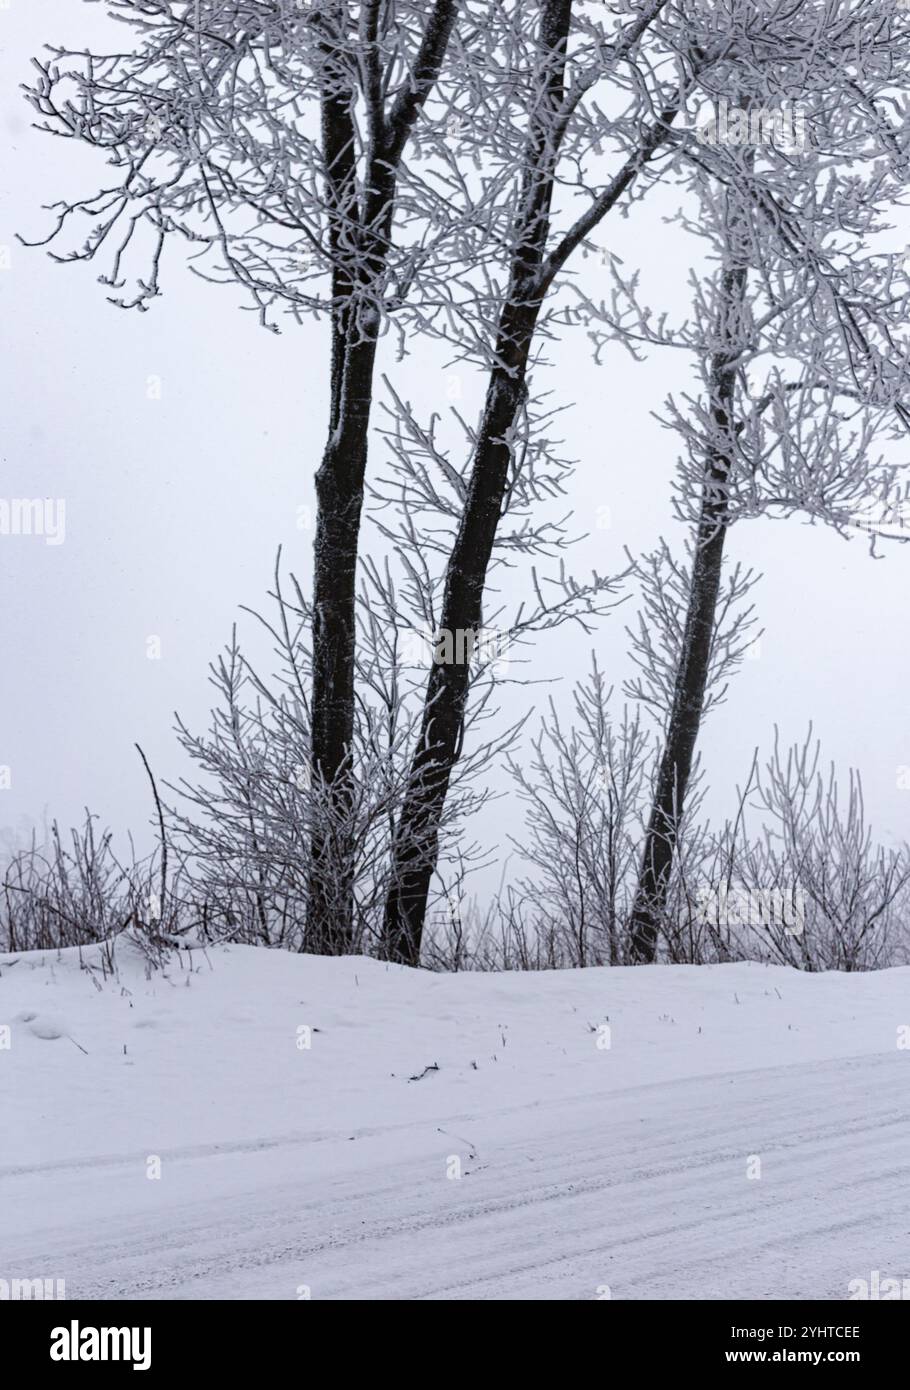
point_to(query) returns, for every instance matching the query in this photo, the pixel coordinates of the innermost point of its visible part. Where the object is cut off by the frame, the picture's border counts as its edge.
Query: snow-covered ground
(733, 1131)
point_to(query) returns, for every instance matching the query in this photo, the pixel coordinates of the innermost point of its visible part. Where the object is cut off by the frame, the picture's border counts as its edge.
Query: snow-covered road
(787, 1180)
(645, 1193)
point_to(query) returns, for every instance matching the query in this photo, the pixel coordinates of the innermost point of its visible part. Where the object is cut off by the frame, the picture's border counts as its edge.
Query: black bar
(240, 1338)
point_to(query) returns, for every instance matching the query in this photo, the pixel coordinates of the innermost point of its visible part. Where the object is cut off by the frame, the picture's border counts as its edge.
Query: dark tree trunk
(339, 496)
(416, 841)
(417, 833)
(675, 767)
(678, 753)
(339, 491)
(359, 231)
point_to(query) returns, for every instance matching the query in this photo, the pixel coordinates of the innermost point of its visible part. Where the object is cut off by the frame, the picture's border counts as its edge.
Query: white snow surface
(327, 1171)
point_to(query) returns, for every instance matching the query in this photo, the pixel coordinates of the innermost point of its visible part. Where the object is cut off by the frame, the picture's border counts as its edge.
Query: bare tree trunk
(675, 767)
(339, 490)
(678, 753)
(360, 231)
(417, 833)
(339, 494)
(416, 843)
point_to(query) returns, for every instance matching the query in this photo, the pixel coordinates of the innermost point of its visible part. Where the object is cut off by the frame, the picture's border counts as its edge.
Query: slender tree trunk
(678, 753)
(360, 231)
(339, 491)
(675, 767)
(416, 844)
(339, 497)
(417, 833)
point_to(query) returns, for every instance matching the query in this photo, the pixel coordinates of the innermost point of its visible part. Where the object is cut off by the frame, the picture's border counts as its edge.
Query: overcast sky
(175, 507)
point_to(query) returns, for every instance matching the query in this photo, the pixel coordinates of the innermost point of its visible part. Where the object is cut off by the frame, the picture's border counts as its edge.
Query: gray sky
(175, 507)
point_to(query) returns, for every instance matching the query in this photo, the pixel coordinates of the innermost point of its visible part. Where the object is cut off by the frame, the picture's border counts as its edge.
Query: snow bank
(239, 1045)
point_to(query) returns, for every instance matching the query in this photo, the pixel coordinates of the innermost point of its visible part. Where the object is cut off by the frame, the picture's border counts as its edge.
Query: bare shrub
(585, 793)
(247, 821)
(73, 890)
(796, 878)
(816, 850)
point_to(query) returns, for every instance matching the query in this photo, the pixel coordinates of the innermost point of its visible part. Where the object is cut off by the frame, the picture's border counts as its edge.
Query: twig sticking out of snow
(434, 1066)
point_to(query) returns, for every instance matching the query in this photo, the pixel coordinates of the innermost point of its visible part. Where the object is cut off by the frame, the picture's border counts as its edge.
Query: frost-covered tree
(299, 149)
(585, 87)
(802, 350)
